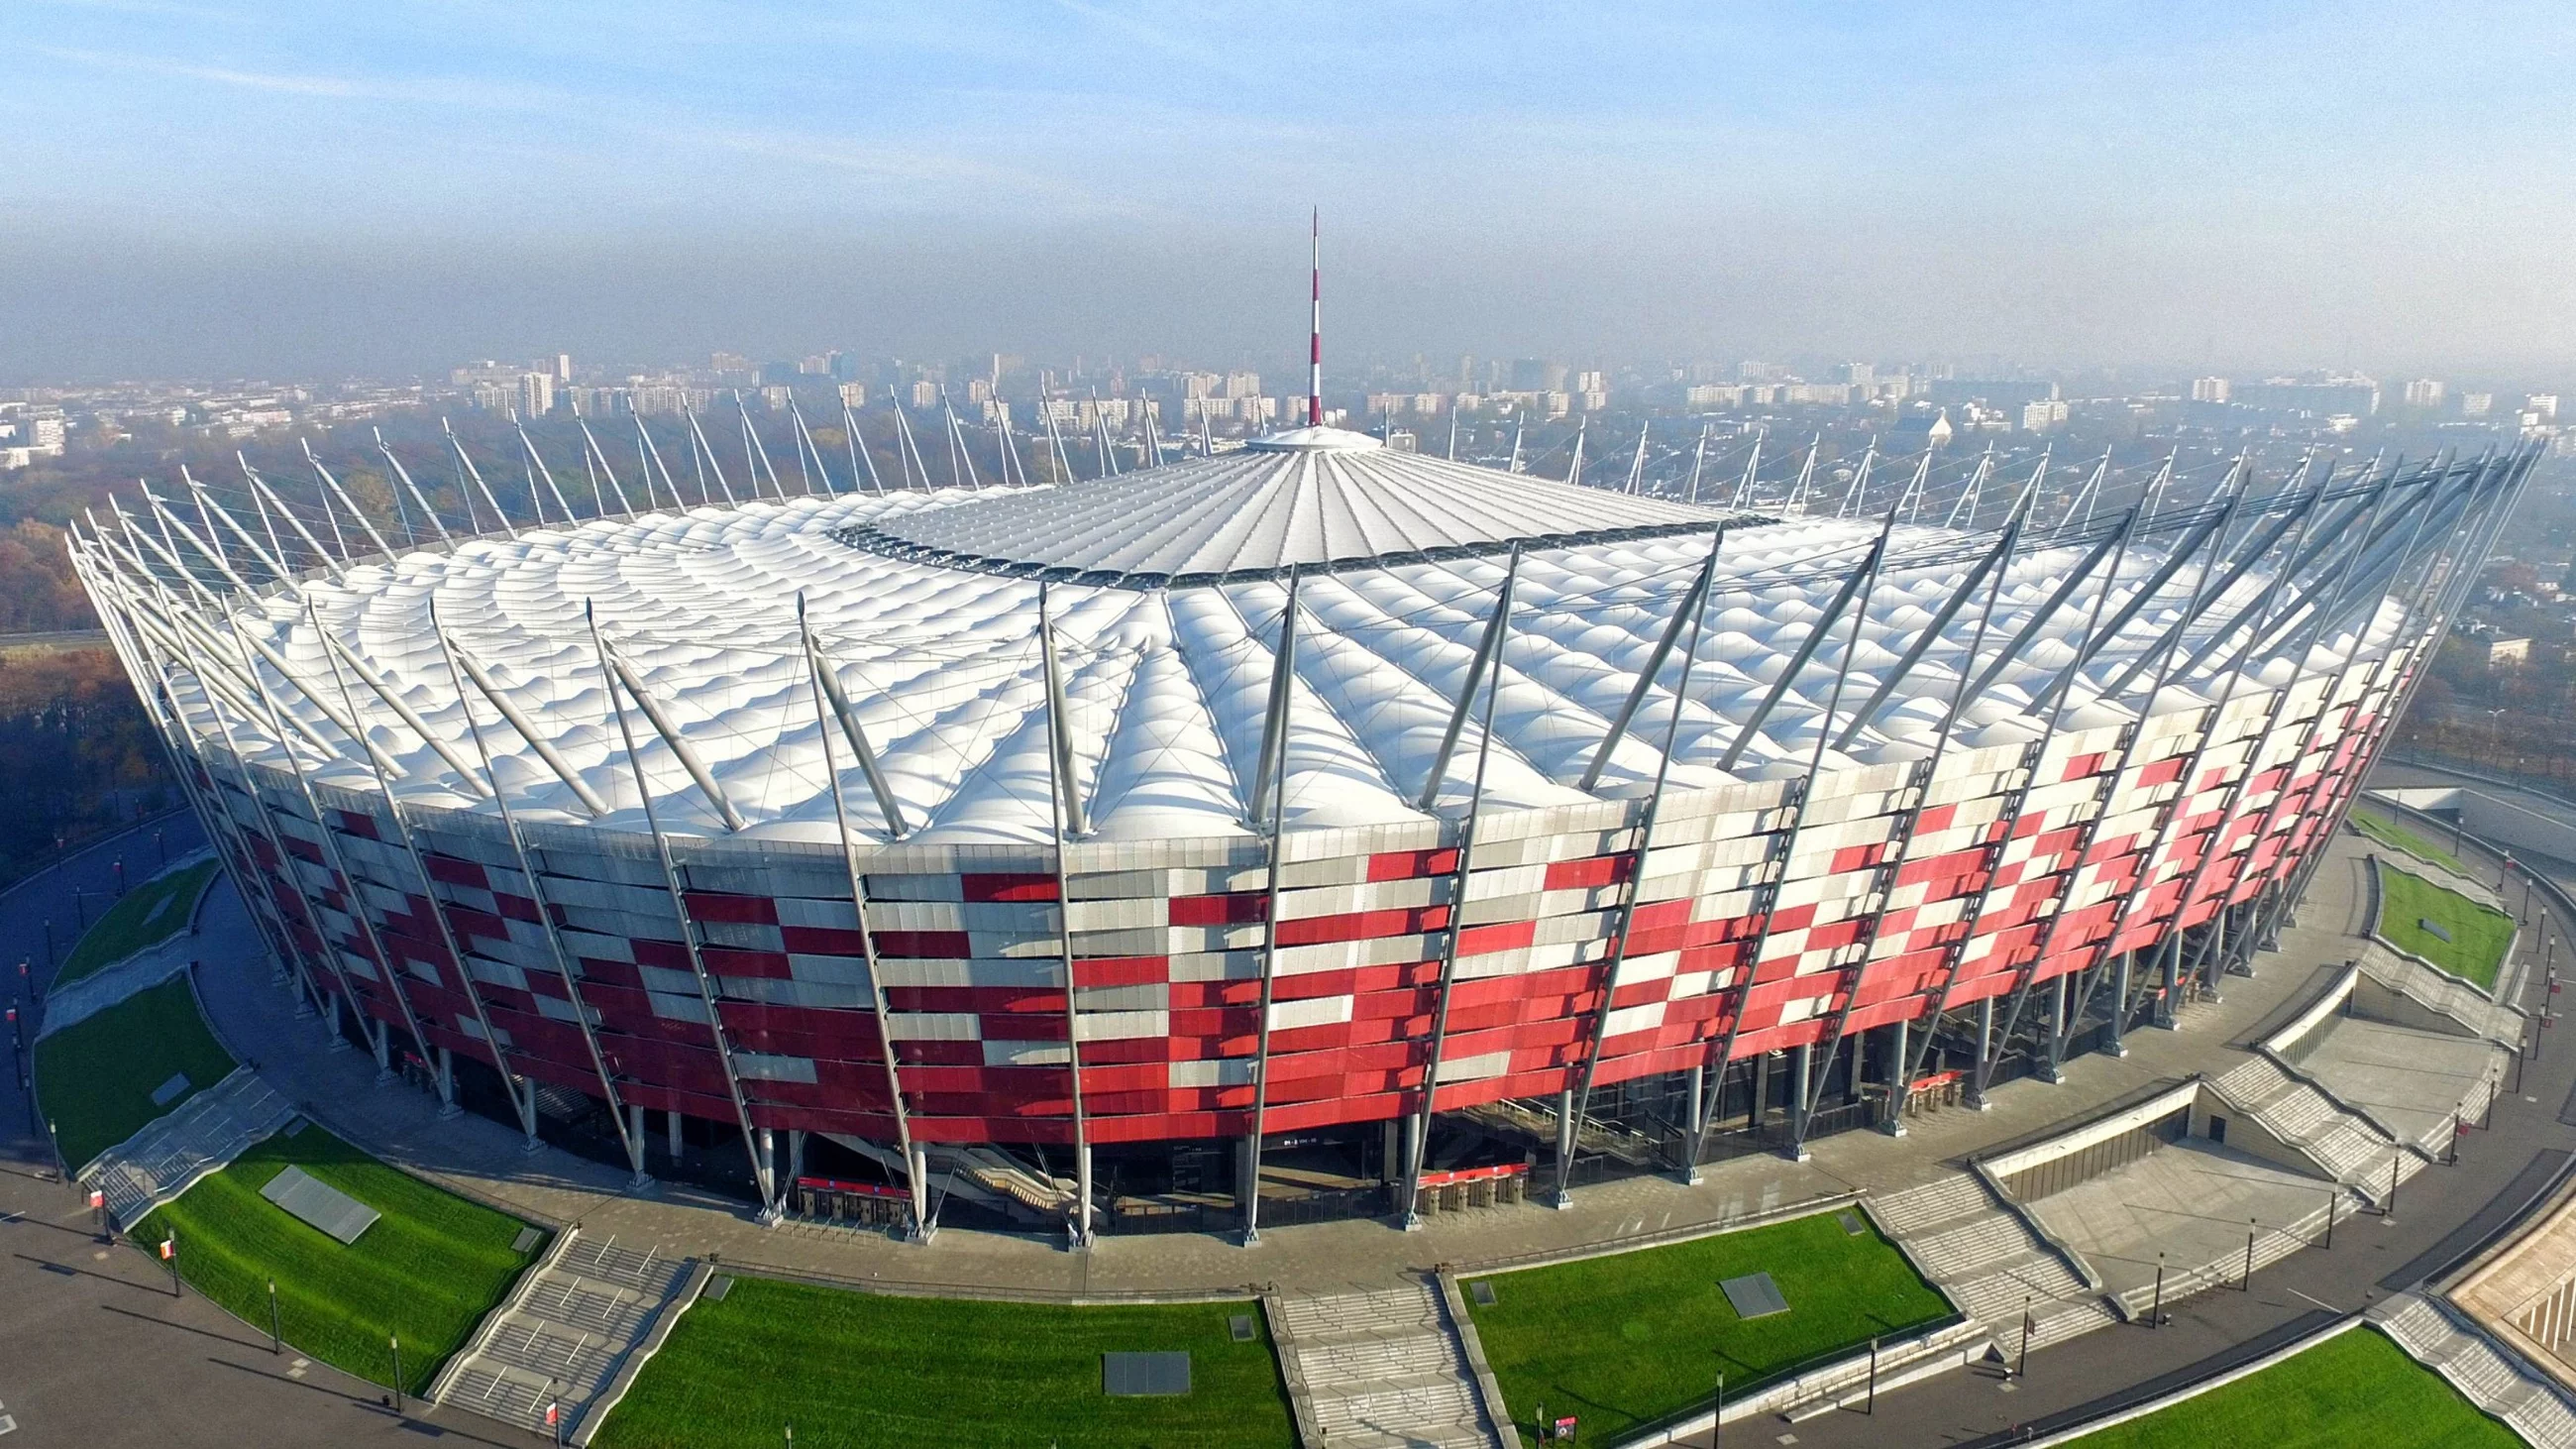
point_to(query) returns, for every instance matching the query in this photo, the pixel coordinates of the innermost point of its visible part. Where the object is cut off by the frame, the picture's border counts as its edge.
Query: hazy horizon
(302, 190)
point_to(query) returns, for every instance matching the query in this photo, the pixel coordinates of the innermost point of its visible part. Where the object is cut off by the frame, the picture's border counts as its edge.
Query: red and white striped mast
(1315, 334)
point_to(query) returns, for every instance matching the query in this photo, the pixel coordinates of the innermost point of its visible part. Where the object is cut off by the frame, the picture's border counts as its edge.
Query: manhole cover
(1852, 1225)
(1240, 1325)
(1482, 1291)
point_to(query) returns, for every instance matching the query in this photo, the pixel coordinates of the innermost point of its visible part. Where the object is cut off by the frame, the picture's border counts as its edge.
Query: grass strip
(1623, 1340)
(2480, 935)
(848, 1368)
(429, 1269)
(96, 1077)
(2355, 1388)
(2398, 837)
(149, 914)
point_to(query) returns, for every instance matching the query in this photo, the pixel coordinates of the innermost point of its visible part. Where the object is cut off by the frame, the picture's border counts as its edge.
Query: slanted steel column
(2073, 875)
(1995, 559)
(1867, 570)
(628, 1136)
(769, 1209)
(338, 865)
(2172, 949)
(525, 727)
(2327, 787)
(286, 869)
(1060, 791)
(918, 1188)
(2270, 818)
(1974, 903)
(595, 455)
(671, 736)
(437, 911)
(403, 476)
(178, 736)
(465, 471)
(1489, 658)
(1580, 1102)
(827, 677)
(1458, 883)
(1803, 790)
(332, 489)
(1271, 786)
(1686, 609)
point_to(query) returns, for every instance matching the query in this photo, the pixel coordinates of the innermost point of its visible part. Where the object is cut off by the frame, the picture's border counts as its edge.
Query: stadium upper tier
(1165, 589)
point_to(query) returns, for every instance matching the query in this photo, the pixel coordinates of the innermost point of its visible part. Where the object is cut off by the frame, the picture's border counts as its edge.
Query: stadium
(1315, 829)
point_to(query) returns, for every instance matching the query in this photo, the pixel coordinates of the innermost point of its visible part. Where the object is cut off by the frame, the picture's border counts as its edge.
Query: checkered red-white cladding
(1166, 936)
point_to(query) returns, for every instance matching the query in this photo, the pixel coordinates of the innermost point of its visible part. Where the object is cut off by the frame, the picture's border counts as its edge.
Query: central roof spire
(1315, 337)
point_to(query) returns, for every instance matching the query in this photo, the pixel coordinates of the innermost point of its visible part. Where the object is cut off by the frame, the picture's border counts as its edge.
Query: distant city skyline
(209, 189)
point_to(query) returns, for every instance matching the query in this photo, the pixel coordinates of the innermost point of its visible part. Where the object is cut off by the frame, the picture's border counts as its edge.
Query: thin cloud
(434, 91)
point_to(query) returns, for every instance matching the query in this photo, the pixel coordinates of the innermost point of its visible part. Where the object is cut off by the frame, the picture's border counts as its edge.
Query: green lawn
(429, 1269)
(150, 913)
(95, 1078)
(1623, 1340)
(2479, 935)
(850, 1368)
(2390, 833)
(2354, 1388)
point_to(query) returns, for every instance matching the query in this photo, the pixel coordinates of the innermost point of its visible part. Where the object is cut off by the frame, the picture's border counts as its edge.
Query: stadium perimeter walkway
(485, 1159)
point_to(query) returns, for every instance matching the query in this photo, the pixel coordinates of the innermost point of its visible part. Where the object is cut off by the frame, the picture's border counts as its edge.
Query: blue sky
(388, 184)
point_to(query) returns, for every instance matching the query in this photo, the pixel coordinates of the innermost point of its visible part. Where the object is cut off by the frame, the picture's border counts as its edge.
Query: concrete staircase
(2344, 1147)
(1989, 1262)
(2528, 1403)
(1384, 1369)
(562, 1336)
(203, 1135)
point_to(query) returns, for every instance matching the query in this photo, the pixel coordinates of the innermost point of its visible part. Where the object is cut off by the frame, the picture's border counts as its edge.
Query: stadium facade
(1409, 814)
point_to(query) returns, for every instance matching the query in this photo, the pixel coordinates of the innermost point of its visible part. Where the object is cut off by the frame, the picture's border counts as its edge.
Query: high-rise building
(2476, 404)
(536, 393)
(2209, 389)
(2424, 392)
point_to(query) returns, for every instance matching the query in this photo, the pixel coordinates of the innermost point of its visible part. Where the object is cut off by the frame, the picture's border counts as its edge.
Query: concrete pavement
(94, 1351)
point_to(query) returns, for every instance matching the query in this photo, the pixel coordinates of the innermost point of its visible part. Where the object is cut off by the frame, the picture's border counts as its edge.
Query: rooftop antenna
(1315, 331)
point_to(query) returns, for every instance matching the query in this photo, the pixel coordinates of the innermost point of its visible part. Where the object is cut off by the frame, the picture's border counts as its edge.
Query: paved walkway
(175, 1152)
(93, 1348)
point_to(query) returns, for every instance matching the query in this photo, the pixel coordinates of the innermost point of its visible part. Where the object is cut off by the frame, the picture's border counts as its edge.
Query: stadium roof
(1318, 498)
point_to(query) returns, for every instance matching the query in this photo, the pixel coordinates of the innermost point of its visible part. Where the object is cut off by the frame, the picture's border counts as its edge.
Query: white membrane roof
(1318, 498)
(1164, 687)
